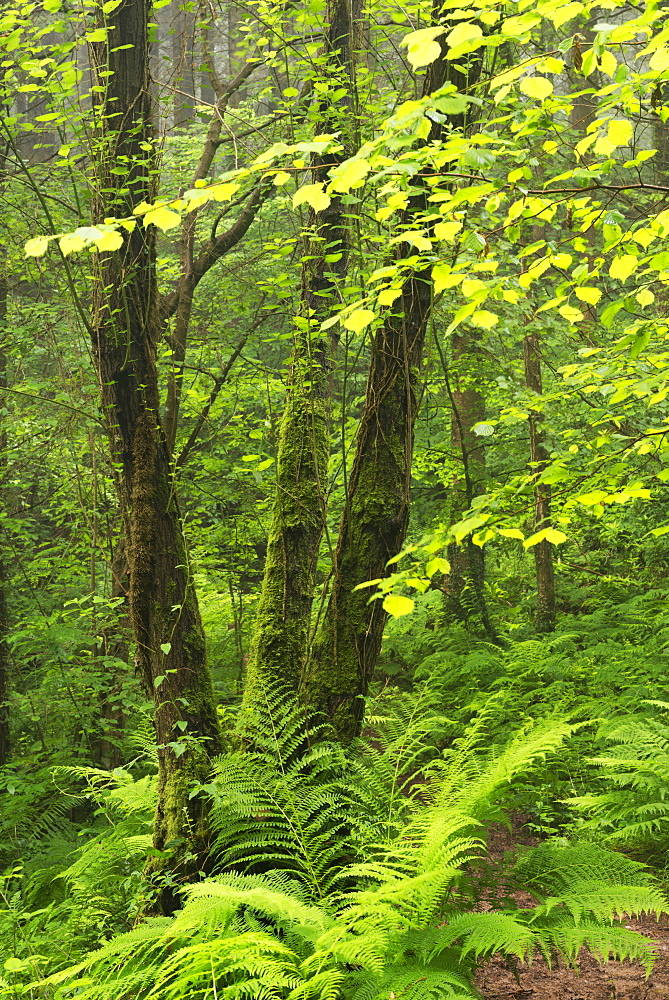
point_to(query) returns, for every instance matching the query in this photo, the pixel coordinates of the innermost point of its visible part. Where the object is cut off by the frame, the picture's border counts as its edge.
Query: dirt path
(592, 980)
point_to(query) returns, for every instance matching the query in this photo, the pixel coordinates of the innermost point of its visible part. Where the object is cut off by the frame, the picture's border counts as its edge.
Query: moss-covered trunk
(543, 553)
(163, 609)
(376, 516)
(376, 511)
(281, 632)
(464, 585)
(4, 620)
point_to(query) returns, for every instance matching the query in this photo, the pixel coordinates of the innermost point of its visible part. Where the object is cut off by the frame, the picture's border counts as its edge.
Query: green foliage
(295, 914)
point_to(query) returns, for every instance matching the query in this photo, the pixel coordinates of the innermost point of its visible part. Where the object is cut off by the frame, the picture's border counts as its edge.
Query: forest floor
(592, 980)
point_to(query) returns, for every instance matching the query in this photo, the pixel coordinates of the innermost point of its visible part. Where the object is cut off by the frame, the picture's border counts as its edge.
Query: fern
(325, 894)
(636, 810)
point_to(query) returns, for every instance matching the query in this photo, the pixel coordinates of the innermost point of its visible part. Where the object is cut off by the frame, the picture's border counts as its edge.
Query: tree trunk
(281, 633)
(376, 512)
(464, 585)
(376, 516)
(163, 608)
(4, 619)
(543, 553)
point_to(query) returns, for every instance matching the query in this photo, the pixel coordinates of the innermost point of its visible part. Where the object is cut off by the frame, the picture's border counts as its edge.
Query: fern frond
(605, 943)
(483, 934)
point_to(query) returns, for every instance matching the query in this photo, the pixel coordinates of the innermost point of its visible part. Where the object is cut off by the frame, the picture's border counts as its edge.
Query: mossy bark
(375, 518)
(464, 586)
(4, 619)
(281, 633)
(376, 511)
(162, 604)
(543, 553)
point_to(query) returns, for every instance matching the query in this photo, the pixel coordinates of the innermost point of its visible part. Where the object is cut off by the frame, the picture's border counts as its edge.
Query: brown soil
(592, 980)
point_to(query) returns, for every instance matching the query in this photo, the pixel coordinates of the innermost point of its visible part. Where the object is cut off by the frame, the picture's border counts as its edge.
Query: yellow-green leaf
(588, 294)
(437, 565)
(358, 320)
(571, 314)
(110, 241)
(645, 297)
(422, 46)
(163, 218)
(71, 242)
(536, 86)
(464, 33)
(623, 266)
(620, 131)
(447, 230)
(660, 61)
(37, 247)
(224, 192)
(443, 277)
(350, 174)
(512, 533)
(387, 296)
(484, 319)
(314, 195)
(396, 605)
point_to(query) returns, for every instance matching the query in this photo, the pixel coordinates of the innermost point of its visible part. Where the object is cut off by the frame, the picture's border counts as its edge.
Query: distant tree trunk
(376, 510)
(4, 619)
(163, 608)
(280, 638)
(183, 62)
(464, 585)
(543, 553)
(179, 303)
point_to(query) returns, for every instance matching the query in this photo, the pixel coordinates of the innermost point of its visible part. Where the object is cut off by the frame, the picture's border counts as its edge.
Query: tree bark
(4, 618)
(376, 512)
(543, 553)
(281, 633)
(464, 585)
(163, 608)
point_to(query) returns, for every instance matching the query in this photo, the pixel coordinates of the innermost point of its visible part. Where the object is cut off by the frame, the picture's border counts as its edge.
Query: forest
(334, 519)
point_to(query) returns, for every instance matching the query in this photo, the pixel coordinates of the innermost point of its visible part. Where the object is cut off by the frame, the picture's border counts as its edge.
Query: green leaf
(165, 647)
(15, 965)
(397, 605)
(99, 35)
(640, 343)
